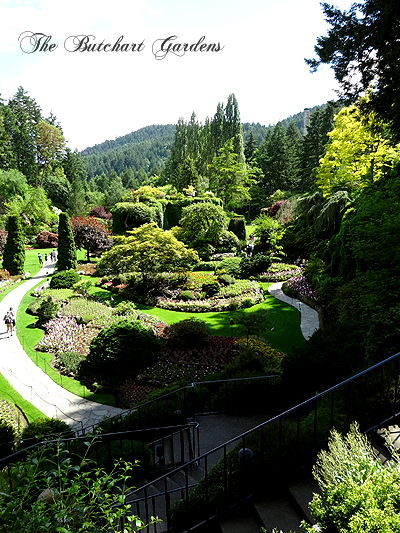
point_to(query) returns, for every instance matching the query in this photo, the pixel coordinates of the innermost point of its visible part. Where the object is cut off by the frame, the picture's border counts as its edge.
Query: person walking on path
(12, 316)
(40, 258)
(8, 322)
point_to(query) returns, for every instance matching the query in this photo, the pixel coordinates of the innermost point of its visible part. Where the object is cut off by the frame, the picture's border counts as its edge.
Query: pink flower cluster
(300, 285)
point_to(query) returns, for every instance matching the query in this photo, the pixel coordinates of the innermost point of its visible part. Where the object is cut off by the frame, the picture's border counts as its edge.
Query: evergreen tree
(26, 116)
(66, 246)
(14, 250)
(188, 175)
(314, 142)
(250, 146)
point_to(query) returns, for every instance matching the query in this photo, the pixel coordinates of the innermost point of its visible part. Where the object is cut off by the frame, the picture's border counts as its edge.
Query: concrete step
(302, 493)
(239, 524)
(278, 514)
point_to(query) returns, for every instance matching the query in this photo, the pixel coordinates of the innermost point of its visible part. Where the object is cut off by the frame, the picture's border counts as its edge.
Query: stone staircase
(282, 513)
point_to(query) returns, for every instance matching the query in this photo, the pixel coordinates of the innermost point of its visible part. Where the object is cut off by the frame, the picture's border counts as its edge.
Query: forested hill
(148, 148)
(142, 149)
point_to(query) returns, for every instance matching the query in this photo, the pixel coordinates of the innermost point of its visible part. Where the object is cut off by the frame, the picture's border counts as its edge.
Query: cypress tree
(66, 245)
(14, 249)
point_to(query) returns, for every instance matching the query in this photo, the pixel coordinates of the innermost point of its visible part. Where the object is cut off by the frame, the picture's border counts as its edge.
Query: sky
(137, 75)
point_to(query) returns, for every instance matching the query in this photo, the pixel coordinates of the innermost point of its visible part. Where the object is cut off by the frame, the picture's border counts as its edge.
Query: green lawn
(10, 394)
(284, 319)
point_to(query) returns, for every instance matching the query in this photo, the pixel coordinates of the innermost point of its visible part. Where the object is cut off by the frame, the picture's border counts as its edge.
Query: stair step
(278, 514)
(302, 492)
(242, 524)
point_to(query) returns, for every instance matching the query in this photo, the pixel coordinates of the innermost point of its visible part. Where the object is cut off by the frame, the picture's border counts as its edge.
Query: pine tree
(14, 250)
(66, 245)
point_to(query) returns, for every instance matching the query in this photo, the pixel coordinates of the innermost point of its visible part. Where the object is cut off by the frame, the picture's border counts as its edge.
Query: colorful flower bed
(299, 285)
(241, 294)
(259, 346)
(280, 272)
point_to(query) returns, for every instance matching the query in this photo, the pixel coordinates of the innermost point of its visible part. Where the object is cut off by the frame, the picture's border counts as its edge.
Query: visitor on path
(45, 259)
(40, 258)
(8, 322)
(12, 315)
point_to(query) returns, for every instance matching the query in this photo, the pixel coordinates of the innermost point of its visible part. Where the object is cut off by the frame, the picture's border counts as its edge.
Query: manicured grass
(29, 336)
(284, 319)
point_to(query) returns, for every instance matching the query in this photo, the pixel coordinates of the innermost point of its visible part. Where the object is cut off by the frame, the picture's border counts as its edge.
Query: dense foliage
(66, 245)
(14, 249)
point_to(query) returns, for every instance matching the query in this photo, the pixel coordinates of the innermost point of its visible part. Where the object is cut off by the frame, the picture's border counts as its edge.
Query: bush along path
(32, 383)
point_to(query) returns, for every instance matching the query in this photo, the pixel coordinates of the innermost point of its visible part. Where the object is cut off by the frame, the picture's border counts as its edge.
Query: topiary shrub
(226, 279)
(229, 265)
(191, 331)
(64, 279)
(211, 288)
(46, 427)
(14, 249)
(47, 239)
(66, 245)
(255, 264)
(129, 215)
(120, 350)
(237, 225)
(186, 295)
(33, 307)
(227, 242)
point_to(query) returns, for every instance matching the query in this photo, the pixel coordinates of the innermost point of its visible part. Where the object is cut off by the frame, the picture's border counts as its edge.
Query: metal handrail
(302, 407)
(175, 393)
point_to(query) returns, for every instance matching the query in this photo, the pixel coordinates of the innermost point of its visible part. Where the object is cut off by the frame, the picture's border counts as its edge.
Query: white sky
(102, 95)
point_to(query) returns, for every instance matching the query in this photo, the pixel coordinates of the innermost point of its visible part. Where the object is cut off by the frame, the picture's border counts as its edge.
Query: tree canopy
(363, 48)
(147, 249)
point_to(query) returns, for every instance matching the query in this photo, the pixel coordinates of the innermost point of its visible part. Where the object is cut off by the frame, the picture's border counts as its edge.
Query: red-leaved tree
(91, 234)
(98, 211)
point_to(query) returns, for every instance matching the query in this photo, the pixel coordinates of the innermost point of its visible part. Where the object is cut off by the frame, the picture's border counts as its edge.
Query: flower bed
(300, 286)
(241, 294)
(281, 272)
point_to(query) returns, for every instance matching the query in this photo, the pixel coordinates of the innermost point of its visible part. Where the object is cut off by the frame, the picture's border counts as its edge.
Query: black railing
(199, 398)
(156, 449)
(269, 453)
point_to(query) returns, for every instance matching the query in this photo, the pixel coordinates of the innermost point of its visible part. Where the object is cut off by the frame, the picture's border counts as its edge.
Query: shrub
(237, 225)
(186, 295)
(120, 350)
(7, 436)
(47, 309)
(98, 211)
(254, 265)
(45, 427)
(82, 285)
(190, 331)
(211, 288)
(129, 215)
(64, 279)
(124, 308)
(229, 265)
(226, 279)
(227, 242)
(47, 239)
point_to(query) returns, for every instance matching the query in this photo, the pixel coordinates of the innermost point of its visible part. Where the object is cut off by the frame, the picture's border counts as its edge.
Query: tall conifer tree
(14, 250)
(66, 245)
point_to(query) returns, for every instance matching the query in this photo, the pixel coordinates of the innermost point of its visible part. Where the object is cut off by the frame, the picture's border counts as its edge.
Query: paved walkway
(32, 383)
(309, 317)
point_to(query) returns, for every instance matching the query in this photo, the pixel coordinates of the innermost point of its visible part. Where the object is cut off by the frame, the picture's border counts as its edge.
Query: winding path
(32, 383)
(309, 322)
